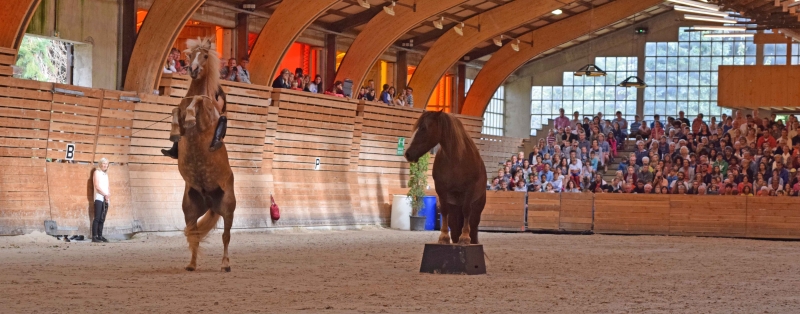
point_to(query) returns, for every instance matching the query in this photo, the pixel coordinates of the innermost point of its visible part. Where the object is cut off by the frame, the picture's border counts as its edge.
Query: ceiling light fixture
(590, 70)
(364, 4)
(557, 12)
(633, 81)
(708, 19)
(389, 9)
(515, 45)
(498, 41)
(720, 28)
(459, 29)
(439, 24)
(700, 11)
(696, 4)
(727, 35)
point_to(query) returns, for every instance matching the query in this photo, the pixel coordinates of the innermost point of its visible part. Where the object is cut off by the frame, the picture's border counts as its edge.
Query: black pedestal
(453, 259)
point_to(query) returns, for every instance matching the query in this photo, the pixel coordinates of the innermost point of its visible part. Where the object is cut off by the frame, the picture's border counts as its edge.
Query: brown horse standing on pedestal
(458, 173)
(208, 176)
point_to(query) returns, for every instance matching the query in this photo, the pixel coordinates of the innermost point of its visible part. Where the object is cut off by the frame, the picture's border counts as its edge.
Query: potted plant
(416, 192)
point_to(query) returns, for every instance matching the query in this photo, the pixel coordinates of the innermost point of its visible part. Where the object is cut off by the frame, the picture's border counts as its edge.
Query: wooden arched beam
(505, 61)
(450, 47)
(379, 34)
(158, 33)
(14, 19)
(288, 21)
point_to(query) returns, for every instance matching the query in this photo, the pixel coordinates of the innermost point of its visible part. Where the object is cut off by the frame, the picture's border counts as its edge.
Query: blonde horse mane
(212, 64)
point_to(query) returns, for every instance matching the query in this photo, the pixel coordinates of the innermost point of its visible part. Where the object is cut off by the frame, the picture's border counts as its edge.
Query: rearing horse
(208, 176)
(458, 172)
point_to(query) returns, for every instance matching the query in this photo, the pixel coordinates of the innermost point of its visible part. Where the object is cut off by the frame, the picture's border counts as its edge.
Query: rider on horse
(220, 102)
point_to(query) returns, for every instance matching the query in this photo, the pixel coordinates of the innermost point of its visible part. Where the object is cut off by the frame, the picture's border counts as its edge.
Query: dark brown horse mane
(455, 140)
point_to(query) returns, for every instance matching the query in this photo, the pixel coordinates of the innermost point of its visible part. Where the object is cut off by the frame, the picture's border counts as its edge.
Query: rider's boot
(219, 133)
(172, 152)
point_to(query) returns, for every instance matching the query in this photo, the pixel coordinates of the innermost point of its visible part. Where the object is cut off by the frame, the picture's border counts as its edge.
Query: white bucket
(401, 212)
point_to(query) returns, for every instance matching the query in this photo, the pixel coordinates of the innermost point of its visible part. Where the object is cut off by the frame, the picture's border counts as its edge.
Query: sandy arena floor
(377, 271)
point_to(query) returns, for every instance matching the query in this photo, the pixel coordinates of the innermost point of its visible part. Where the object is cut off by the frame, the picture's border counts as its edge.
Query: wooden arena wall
(274, 139)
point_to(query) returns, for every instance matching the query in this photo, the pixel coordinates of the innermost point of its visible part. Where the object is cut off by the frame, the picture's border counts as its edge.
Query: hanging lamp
(590, 69)
(633, 81)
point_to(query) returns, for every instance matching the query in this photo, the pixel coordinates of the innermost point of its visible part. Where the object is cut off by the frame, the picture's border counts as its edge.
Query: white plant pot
(401, 212)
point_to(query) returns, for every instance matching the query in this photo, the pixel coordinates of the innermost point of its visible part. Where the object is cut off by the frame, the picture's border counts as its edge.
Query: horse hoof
(226, 269)
(174, 138)
(190, 268)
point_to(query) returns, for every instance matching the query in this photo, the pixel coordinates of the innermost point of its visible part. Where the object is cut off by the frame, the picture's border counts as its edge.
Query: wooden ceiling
(348, 16)
(767, 14)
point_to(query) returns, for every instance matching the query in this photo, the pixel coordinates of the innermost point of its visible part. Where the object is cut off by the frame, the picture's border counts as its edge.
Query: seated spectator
(386, 96)
(283, 80)
(520, 187)
(496, 185)
(572, 187)
(316, 85)
(243, 75)
(169, 66)
(229, 72)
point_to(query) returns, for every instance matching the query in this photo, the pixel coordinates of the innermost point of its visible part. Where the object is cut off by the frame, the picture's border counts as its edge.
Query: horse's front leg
(191, 113)
(175, 131)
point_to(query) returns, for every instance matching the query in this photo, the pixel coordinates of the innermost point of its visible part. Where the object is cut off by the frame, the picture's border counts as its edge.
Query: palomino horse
(458, 173)
(208, 176)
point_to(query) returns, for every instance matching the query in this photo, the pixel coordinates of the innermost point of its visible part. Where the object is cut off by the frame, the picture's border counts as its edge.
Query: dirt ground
(377, 271)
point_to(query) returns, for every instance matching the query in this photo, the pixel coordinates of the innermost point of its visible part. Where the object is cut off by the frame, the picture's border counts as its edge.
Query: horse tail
(204, 225)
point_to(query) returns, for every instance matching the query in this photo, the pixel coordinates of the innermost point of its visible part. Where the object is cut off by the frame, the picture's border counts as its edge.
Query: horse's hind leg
(193, 208)
(466, 214)
(224, 203)
(475, 218)
(175, 131)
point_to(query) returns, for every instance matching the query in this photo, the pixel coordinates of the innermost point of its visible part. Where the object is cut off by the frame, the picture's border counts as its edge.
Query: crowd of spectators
(238, 72)
(743, 154)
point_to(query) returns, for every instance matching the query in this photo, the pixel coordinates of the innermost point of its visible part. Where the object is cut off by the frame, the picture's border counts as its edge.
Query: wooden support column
(330, 60)
(241, 36)
(402, 70)
(128, 39)
(461, 89)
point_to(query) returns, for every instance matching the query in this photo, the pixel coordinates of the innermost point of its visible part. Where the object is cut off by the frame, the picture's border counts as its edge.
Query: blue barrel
(429, 211)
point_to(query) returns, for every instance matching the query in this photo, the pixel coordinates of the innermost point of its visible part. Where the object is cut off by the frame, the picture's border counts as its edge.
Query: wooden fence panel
(150, 130)
(631, 214)
(504, 211)
(247, 124)
(74, 120)
(8, 58)
(773, 217)
(719, 216)
(577, 212)
(24, 201)
(115, 126)
(24, 117)
(544, 211)
(379, 166)
(311, 126)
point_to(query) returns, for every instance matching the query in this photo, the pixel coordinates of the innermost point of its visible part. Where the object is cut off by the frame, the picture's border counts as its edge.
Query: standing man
(562, 121)
(102, 195)
(409, 96)
(243, 75)
(623, 124)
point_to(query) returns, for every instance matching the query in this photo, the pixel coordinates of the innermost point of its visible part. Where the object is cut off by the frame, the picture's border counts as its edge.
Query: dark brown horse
(458, 173)
(209, 180)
